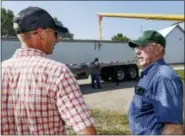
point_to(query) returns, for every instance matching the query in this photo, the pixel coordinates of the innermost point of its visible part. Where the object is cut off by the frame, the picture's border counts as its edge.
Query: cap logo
(15, 25)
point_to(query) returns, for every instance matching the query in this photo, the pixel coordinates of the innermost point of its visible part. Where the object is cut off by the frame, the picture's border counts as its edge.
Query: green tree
(61, 35)
(120, 37)
(7, 23)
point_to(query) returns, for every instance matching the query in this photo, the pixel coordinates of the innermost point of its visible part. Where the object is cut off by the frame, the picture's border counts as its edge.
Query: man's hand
(88, 131)
(171, 129)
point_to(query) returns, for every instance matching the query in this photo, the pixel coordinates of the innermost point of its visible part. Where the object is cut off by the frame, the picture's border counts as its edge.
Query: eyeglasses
(55, 33)
(142, 46)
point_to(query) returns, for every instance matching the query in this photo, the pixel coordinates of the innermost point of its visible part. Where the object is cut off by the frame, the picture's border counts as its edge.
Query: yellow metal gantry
(138, 16)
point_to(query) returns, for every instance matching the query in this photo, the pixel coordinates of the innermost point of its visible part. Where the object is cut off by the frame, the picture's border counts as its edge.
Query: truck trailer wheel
(132, 72)
(118, 75)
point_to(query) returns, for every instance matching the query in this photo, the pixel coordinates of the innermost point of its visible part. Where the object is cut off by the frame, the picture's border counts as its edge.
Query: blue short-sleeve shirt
(158, 100)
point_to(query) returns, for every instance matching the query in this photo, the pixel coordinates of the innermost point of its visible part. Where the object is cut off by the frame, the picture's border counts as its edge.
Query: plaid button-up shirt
(38, 95)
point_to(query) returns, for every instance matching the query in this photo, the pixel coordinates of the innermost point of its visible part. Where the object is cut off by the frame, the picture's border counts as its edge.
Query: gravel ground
(110, 97)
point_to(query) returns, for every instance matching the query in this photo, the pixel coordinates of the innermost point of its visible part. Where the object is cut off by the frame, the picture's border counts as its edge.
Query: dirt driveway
(110, 97)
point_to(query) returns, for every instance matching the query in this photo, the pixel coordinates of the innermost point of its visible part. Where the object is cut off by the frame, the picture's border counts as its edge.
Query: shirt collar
(23, 52)
(152, 66)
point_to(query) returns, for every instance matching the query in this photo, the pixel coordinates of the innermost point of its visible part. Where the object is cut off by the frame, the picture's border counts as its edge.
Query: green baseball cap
(147, 37)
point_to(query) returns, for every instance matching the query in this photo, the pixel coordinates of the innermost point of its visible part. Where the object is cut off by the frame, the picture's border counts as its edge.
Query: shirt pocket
(138, 102)
(141, 104)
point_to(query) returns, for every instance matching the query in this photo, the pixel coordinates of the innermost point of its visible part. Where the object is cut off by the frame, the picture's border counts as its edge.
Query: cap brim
(136, 43)
(132, 44)
(61, 29)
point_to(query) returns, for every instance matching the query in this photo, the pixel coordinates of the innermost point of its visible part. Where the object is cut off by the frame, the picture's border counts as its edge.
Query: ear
(158, 49)
(40, 33)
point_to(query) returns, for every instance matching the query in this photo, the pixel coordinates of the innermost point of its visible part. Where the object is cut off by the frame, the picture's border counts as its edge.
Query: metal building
(174, 35)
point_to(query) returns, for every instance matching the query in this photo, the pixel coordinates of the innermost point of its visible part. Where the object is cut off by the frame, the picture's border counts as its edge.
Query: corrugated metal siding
(167, 30)
(174, 43)
(175, 47)
(181, 25)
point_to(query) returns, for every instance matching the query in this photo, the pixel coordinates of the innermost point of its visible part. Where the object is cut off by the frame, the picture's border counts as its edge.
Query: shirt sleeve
(71, 104)
(168, 101)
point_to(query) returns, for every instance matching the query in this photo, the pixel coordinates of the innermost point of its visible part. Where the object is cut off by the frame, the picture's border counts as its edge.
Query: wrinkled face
(45, 40)
(147, 54)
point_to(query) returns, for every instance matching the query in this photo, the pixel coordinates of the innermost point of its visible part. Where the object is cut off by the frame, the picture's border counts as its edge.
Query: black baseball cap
(33, 18)
(147, 37)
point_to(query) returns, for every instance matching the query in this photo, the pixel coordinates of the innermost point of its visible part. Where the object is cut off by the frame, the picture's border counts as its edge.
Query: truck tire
(118, 75)
(105, 77)
(132, 72)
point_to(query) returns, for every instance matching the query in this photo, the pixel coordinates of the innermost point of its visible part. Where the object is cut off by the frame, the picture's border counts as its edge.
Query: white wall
(79, 52)
(84, 52)
(115, 52)
(175, 46)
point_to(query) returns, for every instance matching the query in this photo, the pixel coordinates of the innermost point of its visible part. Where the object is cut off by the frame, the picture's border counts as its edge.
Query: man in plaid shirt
(39, 95)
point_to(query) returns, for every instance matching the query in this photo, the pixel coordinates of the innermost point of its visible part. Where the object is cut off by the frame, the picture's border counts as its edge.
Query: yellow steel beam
(100, 27)
(138, 16)
(145, 16)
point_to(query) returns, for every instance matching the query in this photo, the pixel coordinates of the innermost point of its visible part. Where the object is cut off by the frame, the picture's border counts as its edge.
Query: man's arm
(168, 103)
(98, 66)
(171, 129)
(88, 131)
(71, 104)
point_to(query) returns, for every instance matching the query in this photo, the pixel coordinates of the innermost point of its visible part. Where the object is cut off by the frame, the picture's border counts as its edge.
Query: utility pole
(141, 28)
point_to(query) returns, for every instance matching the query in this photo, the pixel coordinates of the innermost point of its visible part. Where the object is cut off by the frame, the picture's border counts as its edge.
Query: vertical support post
(100, 27)
(141, 29)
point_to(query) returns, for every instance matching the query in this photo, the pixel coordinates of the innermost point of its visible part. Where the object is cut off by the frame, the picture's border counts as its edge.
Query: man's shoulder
(166, 71)
(41, 62)
(6, 62)
(55, 64)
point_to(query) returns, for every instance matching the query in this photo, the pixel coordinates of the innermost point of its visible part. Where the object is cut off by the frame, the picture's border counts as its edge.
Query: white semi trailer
(118, 61)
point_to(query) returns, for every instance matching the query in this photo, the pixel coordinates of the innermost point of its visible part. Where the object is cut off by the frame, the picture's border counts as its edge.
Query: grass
(177, 65)
(109, 123)
(181, 74)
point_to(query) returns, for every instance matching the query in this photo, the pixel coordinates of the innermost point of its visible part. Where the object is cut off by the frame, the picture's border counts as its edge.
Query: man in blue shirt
(157, 106)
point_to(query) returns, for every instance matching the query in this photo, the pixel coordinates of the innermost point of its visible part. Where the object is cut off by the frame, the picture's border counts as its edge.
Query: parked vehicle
(117, 59)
